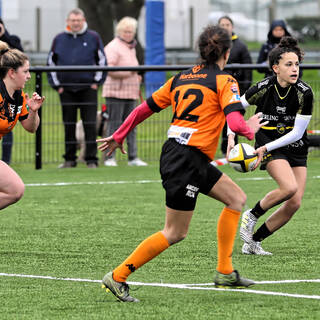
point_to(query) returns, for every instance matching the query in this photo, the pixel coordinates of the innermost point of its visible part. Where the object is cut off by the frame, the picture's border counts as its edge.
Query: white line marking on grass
(62, 184)
(16, 275)
(59, 184)
(253, 178)
(270, 293)
(263, 282)
(198, 286)
(288, 281)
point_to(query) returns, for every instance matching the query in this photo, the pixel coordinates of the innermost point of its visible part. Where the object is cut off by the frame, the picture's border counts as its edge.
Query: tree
(102, 15)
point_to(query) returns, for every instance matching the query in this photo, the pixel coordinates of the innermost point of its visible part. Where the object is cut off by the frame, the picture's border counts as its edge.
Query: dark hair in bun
(213, 42)
(287, 44)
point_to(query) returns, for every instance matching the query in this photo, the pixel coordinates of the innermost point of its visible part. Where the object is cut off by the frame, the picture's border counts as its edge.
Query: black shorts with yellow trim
(185, 171)
(296, 155)
(295, 160)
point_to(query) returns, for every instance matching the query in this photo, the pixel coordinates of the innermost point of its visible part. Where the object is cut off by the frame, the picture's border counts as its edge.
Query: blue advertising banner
(155, 50)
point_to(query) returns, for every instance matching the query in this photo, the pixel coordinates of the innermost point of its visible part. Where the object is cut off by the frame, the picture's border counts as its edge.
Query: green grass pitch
(80, 223)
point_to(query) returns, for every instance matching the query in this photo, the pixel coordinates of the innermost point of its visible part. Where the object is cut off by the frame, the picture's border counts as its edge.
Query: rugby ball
(241, 157)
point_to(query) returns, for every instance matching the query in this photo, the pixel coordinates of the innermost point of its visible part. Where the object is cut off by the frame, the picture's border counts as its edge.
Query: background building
(36, 22)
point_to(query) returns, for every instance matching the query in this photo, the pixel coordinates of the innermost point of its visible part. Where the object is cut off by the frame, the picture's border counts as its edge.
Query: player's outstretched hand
(35, 101)
(260, 153)
(255, 122)
(110, 144)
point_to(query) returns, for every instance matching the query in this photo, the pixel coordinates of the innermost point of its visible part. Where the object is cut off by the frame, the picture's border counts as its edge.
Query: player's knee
(239, 198)
(290, 191)
(17, 193)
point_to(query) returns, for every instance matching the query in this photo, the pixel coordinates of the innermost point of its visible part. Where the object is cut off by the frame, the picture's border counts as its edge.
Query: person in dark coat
(239, 54)
(278, 29)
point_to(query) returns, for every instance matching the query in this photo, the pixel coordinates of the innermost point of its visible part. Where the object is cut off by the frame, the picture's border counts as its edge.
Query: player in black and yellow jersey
(201, 99)
(286, 102)
(14, 105)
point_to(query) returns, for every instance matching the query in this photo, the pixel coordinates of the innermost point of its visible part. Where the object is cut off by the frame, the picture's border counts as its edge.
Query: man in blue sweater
(78, 45)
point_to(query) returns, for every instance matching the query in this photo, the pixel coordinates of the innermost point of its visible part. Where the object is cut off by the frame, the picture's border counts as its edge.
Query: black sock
(262, 233)
(257, 211)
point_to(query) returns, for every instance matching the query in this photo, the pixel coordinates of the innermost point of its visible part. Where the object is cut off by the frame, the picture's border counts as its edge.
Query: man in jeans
(78, 45)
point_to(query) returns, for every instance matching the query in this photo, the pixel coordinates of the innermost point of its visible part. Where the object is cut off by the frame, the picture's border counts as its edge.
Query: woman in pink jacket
(121, 88)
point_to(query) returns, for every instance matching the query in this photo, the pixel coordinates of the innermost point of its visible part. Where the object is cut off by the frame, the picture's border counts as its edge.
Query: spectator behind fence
(278, 29)
(239, 54)
(15, 105)
(14, 42)
(121, 88)
(78, 45)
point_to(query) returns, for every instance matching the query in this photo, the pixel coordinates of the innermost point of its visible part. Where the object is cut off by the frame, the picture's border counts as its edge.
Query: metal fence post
(39, 130)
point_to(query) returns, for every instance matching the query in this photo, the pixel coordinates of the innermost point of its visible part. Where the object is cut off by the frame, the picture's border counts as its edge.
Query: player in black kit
(286, 102)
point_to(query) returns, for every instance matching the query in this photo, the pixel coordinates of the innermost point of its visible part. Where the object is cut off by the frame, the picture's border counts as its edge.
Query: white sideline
(59, 184)
(195, 286)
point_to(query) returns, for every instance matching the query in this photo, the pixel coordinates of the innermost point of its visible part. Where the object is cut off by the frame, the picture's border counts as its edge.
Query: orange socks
(156, 243)
(146, 251)
(226, 232)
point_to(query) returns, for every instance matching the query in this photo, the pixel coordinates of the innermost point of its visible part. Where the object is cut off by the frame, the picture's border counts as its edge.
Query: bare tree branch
(102, 16)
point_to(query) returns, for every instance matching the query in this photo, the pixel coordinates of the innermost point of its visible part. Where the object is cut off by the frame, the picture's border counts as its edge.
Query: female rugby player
(202, 98)
(286, 102)
(14, 105)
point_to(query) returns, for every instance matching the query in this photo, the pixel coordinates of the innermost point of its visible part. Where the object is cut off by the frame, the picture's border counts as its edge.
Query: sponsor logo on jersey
(296, 144)
(270, 117)
(302, 87)
(231, 80)
(181, 134)
(11, 108)
(235, 98)
(263, 83)
(191, 76)
(196, 69)
(19, 109)
(281, 128)
(281, 110)
(234, 88)
(289, 118)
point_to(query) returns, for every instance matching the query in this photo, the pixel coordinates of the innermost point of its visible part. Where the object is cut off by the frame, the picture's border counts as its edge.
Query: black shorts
(295, 160)
(185, 171)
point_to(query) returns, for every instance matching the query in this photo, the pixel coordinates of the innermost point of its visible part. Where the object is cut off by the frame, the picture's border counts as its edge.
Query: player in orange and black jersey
(287, 103)
(14, 105)
(12, 109)
(201, 99)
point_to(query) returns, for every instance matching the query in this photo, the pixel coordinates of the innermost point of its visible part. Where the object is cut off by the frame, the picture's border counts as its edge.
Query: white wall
(177, 22)
(19, 17)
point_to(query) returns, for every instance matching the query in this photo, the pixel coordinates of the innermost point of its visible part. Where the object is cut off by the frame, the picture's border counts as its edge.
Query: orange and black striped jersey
(11, 109)
(200, 97)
